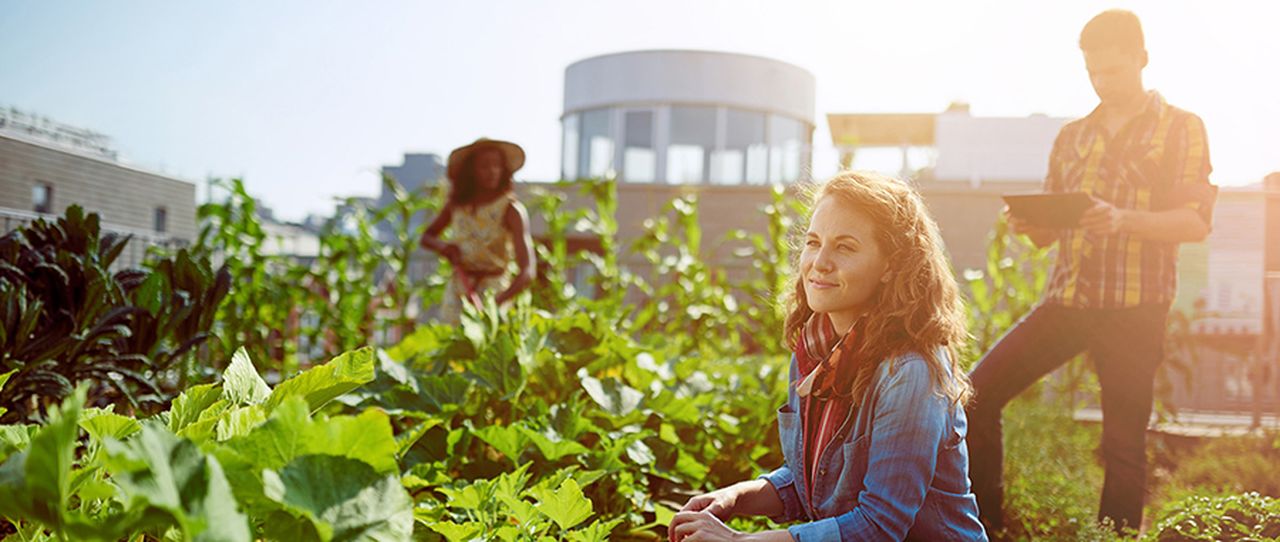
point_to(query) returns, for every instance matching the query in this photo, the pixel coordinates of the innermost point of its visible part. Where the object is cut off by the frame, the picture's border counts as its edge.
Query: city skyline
(307, 102)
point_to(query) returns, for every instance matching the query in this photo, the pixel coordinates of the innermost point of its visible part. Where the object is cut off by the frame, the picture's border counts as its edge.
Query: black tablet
(1049, 210)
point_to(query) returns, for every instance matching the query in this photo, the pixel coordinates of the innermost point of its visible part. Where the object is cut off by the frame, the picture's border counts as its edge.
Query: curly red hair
(920, 308)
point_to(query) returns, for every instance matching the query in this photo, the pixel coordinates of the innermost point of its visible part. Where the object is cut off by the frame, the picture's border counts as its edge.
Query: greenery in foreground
(567, 418)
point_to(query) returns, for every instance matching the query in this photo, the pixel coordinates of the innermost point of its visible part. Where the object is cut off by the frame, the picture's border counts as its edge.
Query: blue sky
(306, 100)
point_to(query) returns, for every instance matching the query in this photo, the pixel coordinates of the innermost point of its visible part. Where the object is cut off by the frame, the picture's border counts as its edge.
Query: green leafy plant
(67, 318)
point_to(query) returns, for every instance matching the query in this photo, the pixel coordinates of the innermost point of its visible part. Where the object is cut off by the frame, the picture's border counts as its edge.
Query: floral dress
(486, 249)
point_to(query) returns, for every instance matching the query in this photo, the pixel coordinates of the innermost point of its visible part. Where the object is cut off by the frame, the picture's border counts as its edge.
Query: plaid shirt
(1159, 161)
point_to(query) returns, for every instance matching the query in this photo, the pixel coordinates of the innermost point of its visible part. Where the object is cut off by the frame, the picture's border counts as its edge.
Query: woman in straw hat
(490, 228)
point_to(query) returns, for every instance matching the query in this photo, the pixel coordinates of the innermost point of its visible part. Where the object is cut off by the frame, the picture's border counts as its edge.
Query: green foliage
(1238, 517)
(214, 467)
(66, 318)
(567, 416)
(358, 287)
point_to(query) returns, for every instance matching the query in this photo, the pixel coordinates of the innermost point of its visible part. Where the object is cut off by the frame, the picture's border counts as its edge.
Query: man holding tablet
(1145, 165)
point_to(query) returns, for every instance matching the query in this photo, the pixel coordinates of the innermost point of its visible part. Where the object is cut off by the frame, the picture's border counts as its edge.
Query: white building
(687, 117)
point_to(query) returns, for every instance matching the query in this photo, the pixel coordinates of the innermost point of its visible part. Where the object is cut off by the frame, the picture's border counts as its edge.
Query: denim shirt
(897, 468)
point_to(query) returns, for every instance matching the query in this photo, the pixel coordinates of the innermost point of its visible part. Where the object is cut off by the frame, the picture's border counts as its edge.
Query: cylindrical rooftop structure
(687, 117)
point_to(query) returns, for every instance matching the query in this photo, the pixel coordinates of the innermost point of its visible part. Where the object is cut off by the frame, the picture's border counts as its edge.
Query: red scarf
(826, 362)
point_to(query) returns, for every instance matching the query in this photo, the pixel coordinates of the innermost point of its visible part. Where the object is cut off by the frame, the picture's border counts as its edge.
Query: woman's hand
(720, 502)
(701, 526)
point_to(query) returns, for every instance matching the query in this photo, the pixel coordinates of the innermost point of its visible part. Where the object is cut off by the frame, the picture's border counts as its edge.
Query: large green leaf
(290, 433)
(566, 506)
(239, 421)
(188, 406)
(160, 472)
(443, 393)
(454, 532)
(241, 383)
(343, 498)
(596, 532)
(551, 444)
(319, 385)
(509, 440)
(612, 395)
(15, 438)
(35, 483)
(104, 423)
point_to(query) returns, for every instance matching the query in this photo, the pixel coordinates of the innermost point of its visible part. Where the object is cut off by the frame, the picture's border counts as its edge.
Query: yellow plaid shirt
(1158, 161)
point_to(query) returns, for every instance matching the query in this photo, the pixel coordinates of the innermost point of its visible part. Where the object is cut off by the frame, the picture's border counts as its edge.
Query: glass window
(788, 142)
(595, 151)
(639, 161)
(42, 198)
(745, 153)
(569, 159)
(693, 138)
(161, 220)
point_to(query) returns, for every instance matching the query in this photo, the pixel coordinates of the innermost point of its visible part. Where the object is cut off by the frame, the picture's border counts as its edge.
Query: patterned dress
(487, 252)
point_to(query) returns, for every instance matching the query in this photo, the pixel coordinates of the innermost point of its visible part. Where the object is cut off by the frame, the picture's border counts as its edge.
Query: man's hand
(1105, 219)
(1039, 235)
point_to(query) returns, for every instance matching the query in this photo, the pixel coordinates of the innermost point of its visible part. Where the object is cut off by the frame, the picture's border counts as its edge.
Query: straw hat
(511, 152)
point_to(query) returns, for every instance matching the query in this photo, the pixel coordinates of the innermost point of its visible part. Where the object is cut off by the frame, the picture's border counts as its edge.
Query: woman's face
(488, 168)
(841, 264)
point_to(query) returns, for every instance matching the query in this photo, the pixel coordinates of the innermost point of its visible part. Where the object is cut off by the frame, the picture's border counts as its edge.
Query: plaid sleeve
(1190, 167)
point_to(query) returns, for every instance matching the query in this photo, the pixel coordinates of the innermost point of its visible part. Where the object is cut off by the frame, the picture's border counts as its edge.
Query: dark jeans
(1126, 346)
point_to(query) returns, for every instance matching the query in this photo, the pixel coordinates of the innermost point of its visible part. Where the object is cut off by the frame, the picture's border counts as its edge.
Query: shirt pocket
(853, 473)
(789, 436)
(1139, 168)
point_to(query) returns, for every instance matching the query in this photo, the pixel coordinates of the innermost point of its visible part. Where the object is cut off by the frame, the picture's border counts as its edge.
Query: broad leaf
(613, 396)
(343, 498)
(239, 421)
(15, 438)
(101, 424)
(596, 532)
(291, 433)
(321, 384)
(552, 445)
(509, 440)
(188, 406)
(454, 532)
(159, 471)
(35, 483)
(565, 506)
(241, 383)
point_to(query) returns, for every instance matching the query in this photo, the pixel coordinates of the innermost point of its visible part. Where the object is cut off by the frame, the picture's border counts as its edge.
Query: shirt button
(822, 472)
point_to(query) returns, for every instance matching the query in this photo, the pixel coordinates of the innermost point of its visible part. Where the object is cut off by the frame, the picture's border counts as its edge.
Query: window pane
(693, 138)
(726, 166)
(746, 152)
(161, 220)
(569, 161)
(684, 164)
(42, 198)
(788, 140)
(639, 161)
(596, 148)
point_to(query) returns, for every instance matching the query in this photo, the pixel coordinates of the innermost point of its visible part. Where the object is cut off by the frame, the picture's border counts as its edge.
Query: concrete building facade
(46, 167)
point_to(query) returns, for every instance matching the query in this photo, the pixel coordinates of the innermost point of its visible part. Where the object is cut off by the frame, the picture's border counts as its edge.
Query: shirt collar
(1154, 104)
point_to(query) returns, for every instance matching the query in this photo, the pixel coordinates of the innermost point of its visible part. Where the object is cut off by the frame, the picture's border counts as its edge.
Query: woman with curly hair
(873, 430)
